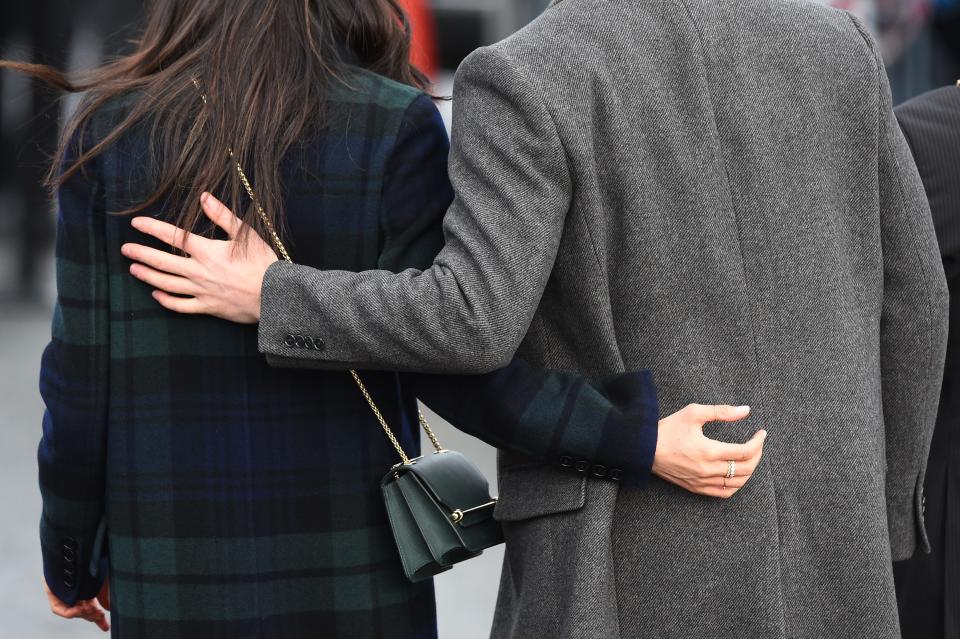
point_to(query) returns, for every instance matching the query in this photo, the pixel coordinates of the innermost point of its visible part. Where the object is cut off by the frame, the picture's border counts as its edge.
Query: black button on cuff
(69, 546)
(566, 461)
(599, 471)
(615, 474)
(582, 466)
(309, 343)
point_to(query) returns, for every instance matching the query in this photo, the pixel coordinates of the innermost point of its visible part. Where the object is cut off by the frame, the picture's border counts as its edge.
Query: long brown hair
(265, 67)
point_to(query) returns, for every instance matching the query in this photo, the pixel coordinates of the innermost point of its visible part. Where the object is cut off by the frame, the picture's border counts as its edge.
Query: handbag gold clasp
(457, 515)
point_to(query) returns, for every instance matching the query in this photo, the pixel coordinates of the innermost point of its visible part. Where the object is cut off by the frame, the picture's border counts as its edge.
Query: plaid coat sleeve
(73, 384)
(607, 429)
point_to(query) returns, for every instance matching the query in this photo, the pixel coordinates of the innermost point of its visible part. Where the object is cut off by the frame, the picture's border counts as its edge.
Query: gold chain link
(278, 244)
(380, 418)
(429, 431)
(263, 214)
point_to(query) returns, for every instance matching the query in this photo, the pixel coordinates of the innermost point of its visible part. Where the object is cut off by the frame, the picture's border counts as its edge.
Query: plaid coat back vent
(241, 501)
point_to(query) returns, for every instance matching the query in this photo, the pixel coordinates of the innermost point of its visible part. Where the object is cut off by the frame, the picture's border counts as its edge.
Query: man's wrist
(258, 296)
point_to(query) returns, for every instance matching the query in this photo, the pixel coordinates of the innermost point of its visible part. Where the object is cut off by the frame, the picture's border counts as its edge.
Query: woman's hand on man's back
(688, 458)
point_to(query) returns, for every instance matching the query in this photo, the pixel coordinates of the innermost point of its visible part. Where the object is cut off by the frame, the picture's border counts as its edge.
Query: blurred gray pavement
(23, 333)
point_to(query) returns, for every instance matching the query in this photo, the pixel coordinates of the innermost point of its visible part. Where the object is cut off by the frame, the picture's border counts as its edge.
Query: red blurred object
(424, 49)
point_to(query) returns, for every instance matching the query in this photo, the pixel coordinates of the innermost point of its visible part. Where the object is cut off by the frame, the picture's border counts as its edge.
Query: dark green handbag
(439, 505)
(441, 512)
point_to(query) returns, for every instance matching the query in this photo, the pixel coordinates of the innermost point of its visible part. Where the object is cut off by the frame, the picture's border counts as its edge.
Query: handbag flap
(454, 482)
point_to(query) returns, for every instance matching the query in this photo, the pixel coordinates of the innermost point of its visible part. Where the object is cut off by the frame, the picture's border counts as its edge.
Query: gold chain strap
(278, 245)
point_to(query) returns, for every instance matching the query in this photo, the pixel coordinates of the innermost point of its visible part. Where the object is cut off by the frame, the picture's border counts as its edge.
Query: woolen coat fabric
(928, 586)
(243, 501)
(240, 501)
(719, 192)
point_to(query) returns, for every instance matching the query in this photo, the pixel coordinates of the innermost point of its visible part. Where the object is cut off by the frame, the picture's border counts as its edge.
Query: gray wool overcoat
(715, 190)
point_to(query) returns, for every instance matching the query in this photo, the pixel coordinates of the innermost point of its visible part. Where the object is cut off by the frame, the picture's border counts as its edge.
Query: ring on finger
(731, 469)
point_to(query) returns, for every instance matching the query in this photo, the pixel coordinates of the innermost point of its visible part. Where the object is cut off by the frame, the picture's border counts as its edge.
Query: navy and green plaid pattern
(241, 500)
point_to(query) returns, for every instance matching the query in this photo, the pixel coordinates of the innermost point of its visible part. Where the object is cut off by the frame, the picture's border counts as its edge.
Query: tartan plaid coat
(226, 498)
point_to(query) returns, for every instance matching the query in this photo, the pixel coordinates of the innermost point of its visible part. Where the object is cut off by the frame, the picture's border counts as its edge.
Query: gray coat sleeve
(913, 331)
(469, 312)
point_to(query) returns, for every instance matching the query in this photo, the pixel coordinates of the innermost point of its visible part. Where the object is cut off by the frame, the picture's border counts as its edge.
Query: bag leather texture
(440, 511)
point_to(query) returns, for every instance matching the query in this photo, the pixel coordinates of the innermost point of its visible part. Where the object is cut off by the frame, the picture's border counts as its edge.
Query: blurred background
(921, 45)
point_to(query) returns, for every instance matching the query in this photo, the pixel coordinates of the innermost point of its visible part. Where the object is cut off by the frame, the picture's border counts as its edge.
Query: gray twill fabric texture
(716, 191)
